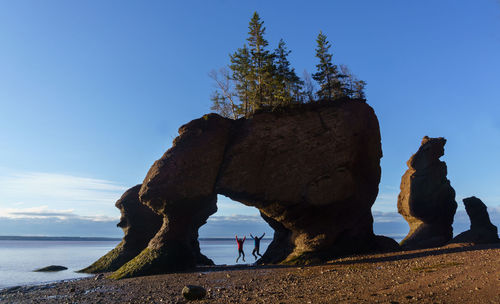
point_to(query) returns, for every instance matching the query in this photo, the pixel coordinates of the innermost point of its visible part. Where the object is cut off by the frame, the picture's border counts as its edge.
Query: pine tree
(288, 84)
(261, 73)
(260, 78)
(241, 67)
(359, 89)
(327, 75)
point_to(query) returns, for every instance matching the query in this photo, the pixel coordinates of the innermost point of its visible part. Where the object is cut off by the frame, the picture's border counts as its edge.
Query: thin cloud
(387, 217)
(236, 218)
(53, 226)
(38, 187)
(42, 212)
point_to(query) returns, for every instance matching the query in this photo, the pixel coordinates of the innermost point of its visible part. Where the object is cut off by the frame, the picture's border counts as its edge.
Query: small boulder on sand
(193, 292)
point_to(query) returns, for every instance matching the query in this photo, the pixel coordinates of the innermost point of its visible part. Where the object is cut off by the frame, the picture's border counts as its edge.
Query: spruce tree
(259, 78)
(327, 75)
(241, 67)
(261, 73)
(359, 89)
(288, 84)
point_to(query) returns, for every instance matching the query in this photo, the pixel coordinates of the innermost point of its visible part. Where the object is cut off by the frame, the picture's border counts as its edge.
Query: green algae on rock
(139, 224)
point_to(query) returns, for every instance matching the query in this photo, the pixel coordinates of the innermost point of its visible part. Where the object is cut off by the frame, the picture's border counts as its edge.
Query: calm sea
(18, 258)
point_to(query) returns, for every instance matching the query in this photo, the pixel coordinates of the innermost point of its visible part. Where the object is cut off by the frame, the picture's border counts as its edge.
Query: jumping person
(240, 248)
(257, 245)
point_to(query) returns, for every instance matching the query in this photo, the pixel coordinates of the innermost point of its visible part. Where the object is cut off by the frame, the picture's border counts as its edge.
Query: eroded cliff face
(139, 224)
(427, 200)
(312, 171)
(315, 172)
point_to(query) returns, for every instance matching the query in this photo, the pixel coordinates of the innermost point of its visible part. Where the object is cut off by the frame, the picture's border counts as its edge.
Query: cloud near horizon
(236, 218)
(43, 212)
(47, 222)
(37, 194)
(49, 186)
(81, 206)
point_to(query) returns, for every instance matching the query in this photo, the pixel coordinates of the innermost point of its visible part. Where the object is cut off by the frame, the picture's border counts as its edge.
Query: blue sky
(92, 92)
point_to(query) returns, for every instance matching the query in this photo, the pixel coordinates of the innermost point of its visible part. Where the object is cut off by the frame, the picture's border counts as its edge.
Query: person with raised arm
(240, 248)
(257, 245)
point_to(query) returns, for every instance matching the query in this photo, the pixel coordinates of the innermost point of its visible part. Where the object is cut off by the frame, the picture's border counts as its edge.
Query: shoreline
(455, 273)
(32, 286)
(201, 269)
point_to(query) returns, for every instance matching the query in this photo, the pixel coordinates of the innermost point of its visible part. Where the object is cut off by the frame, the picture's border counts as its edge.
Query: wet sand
(453, 274)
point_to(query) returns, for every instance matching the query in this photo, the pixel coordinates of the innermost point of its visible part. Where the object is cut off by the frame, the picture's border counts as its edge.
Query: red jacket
(240, 242)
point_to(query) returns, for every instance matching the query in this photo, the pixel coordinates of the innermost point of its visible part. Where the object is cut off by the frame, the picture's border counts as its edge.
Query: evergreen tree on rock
(241, 67)
(327, 74)
(262, 68)
(351, 85)
(288, 84)
(258, 78)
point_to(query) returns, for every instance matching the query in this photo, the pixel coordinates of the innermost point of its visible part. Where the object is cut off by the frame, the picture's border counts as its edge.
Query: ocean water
(225, 251)
(18, 258)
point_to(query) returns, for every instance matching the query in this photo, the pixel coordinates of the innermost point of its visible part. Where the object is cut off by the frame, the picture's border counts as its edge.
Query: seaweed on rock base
(170, 258)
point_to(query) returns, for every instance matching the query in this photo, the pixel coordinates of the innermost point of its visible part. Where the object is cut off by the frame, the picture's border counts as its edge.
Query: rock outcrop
(312, 170)
(427, 200)
(51, 268)
(482, 231)
(181, 187)
(139, 224)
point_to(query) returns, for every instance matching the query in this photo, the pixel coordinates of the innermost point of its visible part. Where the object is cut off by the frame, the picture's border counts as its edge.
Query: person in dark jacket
(257, 245)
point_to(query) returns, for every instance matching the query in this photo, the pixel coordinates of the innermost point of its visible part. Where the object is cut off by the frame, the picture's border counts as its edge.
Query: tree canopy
(260, 78)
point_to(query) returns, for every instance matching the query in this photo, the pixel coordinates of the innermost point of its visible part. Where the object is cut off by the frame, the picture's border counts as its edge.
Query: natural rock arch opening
(312, 170)
(217, 236)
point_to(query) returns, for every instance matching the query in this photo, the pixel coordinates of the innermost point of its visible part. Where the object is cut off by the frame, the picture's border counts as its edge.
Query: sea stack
(312, 170)
(427, 200)
(139, 224)
(481, 231)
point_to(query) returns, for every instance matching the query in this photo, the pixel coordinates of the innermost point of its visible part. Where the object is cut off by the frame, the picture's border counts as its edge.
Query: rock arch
(139, 224)
(312, 170)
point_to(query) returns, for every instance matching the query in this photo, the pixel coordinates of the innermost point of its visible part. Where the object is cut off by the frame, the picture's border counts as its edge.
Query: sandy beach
(453, 274)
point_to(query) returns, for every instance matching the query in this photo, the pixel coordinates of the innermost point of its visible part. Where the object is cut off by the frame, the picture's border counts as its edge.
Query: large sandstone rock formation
(427, 200)
(312, 171)
(482, 231)
(139, 224)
